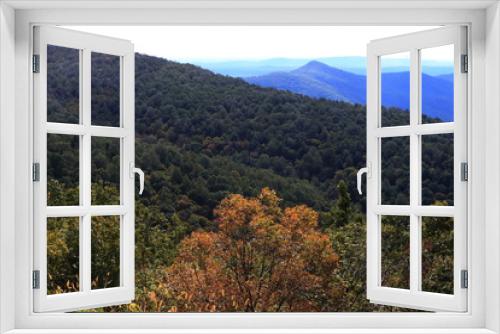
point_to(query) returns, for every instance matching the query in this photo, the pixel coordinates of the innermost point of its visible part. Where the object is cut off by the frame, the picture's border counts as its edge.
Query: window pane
(437, 84)
(437, 169)
(395, 89)
(63, 255)
(437, 254)
(396, 252)
(105, 252)
(63, 166)
(63, 84)
(395, 164)
(105, 97)
(105, 171)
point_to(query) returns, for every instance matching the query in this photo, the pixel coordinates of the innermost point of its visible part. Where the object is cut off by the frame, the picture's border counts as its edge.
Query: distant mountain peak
(323, 71)
(314, 64)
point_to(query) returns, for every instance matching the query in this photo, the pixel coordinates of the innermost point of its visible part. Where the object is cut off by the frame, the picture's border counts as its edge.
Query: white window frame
(85, 44)
(16, 20)
(415, 297)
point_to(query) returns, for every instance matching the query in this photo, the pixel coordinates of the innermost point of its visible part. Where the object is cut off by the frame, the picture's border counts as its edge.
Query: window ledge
(255, 331)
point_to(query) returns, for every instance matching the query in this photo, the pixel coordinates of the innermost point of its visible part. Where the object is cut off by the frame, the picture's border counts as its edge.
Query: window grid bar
(80, 130)
(415, 162)
(419, 210)
(418, 129)
(81, 224)
(123, 165)
(85, 242)
(93, 210)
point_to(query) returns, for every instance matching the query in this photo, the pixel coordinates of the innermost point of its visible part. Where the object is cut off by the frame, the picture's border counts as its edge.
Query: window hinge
(36, 172)
(36, 63)
(464, 171)
(36, 279)
(464, 279)
(465, 63)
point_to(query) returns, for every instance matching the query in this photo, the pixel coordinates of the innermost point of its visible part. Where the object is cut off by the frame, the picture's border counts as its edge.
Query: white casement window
(29, 209)
(404, 140)
(88, 215)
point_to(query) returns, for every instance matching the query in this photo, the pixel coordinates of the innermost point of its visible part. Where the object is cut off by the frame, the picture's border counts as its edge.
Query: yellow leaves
(235, 213)
(300, 218)
(269, 198)
(134, 307)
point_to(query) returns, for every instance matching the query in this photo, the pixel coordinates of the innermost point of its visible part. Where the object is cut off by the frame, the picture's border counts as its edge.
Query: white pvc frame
(484, 160)
(85, 44)
(415, 297)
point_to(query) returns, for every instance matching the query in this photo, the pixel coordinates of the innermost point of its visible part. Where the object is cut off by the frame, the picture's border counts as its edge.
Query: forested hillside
(201, 137)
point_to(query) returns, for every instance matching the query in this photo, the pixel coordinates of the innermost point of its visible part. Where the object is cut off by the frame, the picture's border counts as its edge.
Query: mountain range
(353, 64)
(318, 80)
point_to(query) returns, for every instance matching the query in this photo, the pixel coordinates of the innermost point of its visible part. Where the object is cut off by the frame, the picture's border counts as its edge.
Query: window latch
(359, 175)
(134, 170)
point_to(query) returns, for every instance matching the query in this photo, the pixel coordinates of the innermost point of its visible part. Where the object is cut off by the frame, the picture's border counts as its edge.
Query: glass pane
(105, 97)
(437, 254)
(63, 255)
(105, 258)
(395, 89)
(437, 84)
(395, 165)
(396, 252)
(63, 169)
(437, 169)
(105, 171)
(63, 84)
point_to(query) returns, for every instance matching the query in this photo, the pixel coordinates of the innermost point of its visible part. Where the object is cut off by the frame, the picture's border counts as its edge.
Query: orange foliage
(261, 259)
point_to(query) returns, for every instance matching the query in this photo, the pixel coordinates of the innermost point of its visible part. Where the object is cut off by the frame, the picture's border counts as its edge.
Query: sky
(223, 43)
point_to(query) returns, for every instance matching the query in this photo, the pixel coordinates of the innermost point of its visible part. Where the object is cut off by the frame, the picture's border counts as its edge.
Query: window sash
(414, 297)
(86, 297)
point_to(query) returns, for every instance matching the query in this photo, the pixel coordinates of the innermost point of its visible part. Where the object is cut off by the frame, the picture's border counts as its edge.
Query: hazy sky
(190, 43)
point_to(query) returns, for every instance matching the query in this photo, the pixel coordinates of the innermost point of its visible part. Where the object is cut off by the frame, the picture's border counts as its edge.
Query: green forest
(244, 186)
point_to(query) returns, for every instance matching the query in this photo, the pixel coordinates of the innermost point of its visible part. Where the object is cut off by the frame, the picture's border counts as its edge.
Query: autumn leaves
(262, 259)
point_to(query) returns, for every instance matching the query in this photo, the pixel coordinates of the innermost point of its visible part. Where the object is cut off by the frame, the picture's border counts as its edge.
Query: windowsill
(256, 331)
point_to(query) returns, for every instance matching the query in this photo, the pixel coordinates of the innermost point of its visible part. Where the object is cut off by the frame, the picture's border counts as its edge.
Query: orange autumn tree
(261, 259)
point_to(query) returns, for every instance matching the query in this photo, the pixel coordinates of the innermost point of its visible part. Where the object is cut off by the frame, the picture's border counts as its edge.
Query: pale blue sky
(191, 43)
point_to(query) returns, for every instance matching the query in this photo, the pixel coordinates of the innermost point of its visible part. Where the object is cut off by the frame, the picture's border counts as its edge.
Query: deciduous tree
(262, 258)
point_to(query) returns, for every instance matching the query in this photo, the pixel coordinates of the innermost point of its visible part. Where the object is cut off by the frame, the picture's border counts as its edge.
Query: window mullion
(415, 173)
(85, 161)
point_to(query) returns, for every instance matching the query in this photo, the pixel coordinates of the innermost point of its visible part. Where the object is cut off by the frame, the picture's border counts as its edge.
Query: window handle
(134, 170)
(360, 174)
